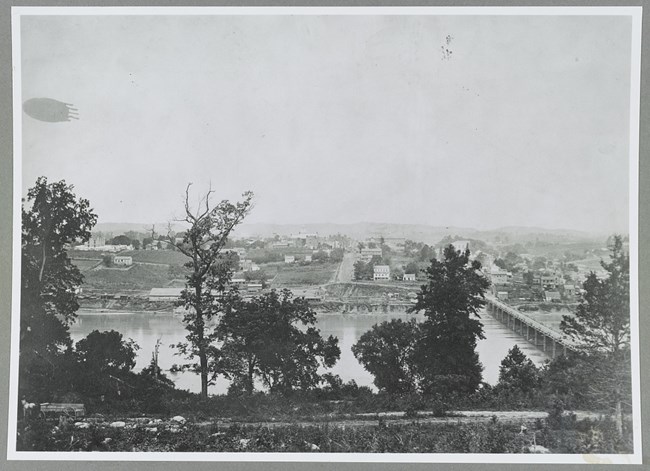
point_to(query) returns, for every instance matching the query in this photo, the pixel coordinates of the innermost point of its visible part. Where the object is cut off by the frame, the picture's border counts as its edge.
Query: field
(166, 257)
(296, 275)
(139, 277)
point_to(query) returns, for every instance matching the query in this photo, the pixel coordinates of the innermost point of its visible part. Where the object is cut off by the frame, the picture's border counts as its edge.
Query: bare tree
(210, 270)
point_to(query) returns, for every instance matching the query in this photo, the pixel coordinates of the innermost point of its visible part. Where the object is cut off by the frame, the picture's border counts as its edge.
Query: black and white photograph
(355, 234)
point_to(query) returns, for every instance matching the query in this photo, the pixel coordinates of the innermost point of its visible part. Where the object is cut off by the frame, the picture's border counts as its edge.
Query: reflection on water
(146, 328)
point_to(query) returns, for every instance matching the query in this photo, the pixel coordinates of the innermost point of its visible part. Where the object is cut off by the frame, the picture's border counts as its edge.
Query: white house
(408, 277)
(289, 258)
(123, 260)
(381, 272)
(307, 258)
(460, 245)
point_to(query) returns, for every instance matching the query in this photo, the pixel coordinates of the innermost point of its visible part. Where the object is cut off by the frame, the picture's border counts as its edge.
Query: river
(145, 328)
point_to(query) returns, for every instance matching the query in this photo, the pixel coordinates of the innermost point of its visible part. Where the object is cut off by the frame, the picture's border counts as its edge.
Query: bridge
(551, 342)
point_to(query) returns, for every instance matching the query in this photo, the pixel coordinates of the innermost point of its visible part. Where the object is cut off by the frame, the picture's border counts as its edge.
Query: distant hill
(363, 230)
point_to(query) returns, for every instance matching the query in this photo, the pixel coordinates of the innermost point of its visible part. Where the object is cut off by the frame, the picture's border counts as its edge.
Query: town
(337, 273)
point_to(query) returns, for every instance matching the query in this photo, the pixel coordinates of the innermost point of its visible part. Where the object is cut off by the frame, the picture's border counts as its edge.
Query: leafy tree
(529, 278)
(53, 218)
(427, 253)
(210, 270)
(119, 240)
(518, 372)
(106, 352)
(320, 256)
(107, 260)
(601, 330)
(136, 244)
(147, 241)
(103, 361)
(387, 351)
(451, 300)
(412, 267)
(272, 337)
(336, 255)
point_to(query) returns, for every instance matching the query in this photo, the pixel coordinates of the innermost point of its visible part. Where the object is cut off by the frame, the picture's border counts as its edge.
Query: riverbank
(462, 432)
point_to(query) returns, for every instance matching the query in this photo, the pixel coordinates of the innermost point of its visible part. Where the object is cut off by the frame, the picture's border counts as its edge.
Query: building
(498, 276)
(307, 258)
(552, 297)
(246, 265)
(289, 259)
(381, 272)
(502, 295)
(254, 287)
(239, 282)
(165, 294)
(548, 281)
(123, 260)
(408, 277)
(461, 245)
(310, 294)
(367, 254)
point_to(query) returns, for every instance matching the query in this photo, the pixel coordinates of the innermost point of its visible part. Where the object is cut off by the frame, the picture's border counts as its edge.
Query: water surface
(147, 328)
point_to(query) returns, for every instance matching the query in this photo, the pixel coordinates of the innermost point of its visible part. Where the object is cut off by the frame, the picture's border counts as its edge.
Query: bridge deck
(538, 326)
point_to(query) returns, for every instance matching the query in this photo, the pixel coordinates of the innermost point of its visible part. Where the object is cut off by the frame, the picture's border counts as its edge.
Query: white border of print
(635, 458)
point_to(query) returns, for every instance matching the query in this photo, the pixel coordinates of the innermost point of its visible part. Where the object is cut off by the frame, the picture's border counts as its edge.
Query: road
(345, 272)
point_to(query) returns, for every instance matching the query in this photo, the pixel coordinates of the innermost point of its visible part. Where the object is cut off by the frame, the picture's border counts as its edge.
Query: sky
(470, 121)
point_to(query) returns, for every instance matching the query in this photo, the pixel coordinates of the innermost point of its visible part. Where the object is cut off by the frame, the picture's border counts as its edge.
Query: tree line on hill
(272, 338)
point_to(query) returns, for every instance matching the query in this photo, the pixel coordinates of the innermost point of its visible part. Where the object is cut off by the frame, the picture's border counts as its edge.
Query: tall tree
(601, 329)
(210, 270)
(387, 352)
(451, 300)
(518, 372)
(53, 218)
(272, 337)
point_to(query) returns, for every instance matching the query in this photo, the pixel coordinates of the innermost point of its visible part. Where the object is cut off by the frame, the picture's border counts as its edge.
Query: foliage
(366, 271)
(106, 352)
(451, 301)
(387, 352)
(518, 372)
(336, 255)
(210, 269)
(412, 267)
(119, 240)
(601, 329)
(415, 437)
(261, 338)
(53, 218)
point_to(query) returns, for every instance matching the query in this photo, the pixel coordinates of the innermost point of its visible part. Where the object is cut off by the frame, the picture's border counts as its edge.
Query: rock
(243, 442)
(218, 434)
(81, 425)
(538, 449)
(314, 447)
(179, 419)
(151, 429)
(118, 424)
(107, 440)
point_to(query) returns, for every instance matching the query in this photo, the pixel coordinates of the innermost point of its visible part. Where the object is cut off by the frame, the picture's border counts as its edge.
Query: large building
(498, 276)
(381, 272)
(367, 254)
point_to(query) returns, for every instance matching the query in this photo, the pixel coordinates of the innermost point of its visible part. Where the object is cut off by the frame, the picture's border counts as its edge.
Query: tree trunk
(203, 358)
(618, 418)
(249, 384)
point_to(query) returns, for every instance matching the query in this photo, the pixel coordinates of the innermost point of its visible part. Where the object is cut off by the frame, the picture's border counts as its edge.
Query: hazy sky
(338, 119)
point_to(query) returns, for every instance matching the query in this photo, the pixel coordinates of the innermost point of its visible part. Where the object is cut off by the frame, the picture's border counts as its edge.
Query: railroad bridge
(551, 342)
